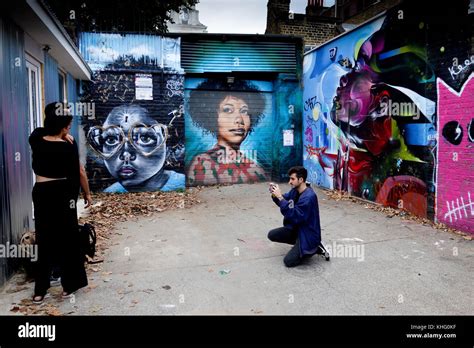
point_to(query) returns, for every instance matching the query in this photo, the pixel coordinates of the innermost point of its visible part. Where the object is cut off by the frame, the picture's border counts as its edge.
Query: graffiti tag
(310, 104)
(456, 69)
(174, 88)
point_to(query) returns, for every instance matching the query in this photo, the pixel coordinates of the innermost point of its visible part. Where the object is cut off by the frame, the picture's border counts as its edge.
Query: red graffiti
(404, 192)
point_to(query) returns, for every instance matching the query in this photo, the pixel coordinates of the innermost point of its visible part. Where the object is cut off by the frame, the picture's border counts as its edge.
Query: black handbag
(88, 239)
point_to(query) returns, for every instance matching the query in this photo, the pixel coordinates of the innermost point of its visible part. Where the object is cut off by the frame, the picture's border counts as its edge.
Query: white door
(34, 98)
(33, 69)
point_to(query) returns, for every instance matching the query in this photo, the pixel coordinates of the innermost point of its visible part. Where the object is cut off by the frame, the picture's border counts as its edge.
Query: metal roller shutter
(222, 167)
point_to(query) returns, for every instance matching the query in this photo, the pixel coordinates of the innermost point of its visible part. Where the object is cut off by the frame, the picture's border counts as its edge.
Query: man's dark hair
(205, 99)
(300, 172)
(56, 118)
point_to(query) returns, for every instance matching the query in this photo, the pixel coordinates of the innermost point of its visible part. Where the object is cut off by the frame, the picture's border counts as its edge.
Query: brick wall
(314, 33)
(276, 11)
(455, 182)
(315, 30)
(372, 11)
(448, 48)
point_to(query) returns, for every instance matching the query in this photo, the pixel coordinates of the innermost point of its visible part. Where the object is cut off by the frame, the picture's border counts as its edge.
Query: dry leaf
(96, 309)
(391, 212)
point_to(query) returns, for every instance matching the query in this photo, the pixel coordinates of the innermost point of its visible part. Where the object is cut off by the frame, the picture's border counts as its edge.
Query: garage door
(228, 129)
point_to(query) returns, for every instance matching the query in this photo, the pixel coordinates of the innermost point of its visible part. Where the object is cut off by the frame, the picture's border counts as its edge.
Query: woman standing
(58, 177)
(230, 116)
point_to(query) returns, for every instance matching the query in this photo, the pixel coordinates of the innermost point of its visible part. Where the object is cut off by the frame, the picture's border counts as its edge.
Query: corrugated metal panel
(72, 98)
(103, 51)
(15, 174)
(215, 56)
(257, 146)
(51, 81)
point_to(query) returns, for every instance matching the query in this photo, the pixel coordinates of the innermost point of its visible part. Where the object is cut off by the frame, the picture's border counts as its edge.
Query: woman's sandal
(38, 299)
(65, 294)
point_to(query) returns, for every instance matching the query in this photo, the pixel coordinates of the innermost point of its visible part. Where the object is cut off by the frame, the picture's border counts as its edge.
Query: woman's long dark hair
(205, 99)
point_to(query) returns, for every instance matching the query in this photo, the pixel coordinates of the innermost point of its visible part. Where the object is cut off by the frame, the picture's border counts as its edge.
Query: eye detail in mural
(109, 140)
(452, 132)
(143, 136)
(112, 141)
(229, 109)
(470, 131)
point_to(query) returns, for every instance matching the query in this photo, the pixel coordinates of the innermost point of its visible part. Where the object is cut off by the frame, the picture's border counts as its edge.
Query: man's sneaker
(54, 281)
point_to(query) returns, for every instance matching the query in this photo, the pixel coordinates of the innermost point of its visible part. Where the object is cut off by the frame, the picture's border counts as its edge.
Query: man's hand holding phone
(275, 191)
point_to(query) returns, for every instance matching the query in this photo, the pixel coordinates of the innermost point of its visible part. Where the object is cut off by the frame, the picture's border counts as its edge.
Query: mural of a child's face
(233, 120)
(133, 164)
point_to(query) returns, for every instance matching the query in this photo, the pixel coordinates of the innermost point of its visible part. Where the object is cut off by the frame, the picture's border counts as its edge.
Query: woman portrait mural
(223, 116)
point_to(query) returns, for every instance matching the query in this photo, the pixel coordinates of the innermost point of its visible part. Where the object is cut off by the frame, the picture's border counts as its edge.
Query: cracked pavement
(214, 258)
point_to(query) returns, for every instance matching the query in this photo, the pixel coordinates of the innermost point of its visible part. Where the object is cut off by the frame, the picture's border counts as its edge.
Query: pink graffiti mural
(455, 183)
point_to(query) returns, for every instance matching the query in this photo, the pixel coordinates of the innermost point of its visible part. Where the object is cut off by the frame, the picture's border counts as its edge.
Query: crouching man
(301, 225)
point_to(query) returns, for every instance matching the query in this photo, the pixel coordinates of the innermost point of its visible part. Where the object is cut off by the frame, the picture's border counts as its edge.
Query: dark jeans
(289, 236)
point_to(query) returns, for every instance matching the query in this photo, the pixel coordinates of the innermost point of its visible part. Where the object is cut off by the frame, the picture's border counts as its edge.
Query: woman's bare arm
(85, 186)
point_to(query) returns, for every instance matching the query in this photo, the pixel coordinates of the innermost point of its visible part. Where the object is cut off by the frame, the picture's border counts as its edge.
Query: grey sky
(241, 16)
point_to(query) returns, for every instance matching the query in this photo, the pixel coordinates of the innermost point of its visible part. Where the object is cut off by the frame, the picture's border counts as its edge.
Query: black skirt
(57, 236)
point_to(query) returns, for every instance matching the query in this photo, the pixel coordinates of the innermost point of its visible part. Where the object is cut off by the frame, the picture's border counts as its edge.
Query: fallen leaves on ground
(111, 209)
(391, 212)
(27, 307)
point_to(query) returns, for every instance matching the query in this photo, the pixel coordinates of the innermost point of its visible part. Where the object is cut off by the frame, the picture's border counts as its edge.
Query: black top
(55, 159)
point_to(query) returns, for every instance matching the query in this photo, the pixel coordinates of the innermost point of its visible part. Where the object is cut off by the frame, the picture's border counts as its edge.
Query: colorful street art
(368, 125)
(136, 139)
(228, 131)
(455, 183)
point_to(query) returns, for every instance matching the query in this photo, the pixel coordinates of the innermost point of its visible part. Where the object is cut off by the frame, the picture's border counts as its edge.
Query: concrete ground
(215, 258)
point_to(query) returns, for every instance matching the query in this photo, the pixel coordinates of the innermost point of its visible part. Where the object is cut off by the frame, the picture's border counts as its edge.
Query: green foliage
(140, 16)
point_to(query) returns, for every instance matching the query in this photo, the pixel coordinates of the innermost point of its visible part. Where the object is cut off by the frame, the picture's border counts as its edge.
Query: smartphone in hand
(271, 187)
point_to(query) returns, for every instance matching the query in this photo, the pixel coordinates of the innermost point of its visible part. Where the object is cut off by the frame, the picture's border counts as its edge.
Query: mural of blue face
(133, 146)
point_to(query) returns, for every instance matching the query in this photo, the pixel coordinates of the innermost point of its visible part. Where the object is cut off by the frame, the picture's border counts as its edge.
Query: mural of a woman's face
(133, 164)
(233, 120)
